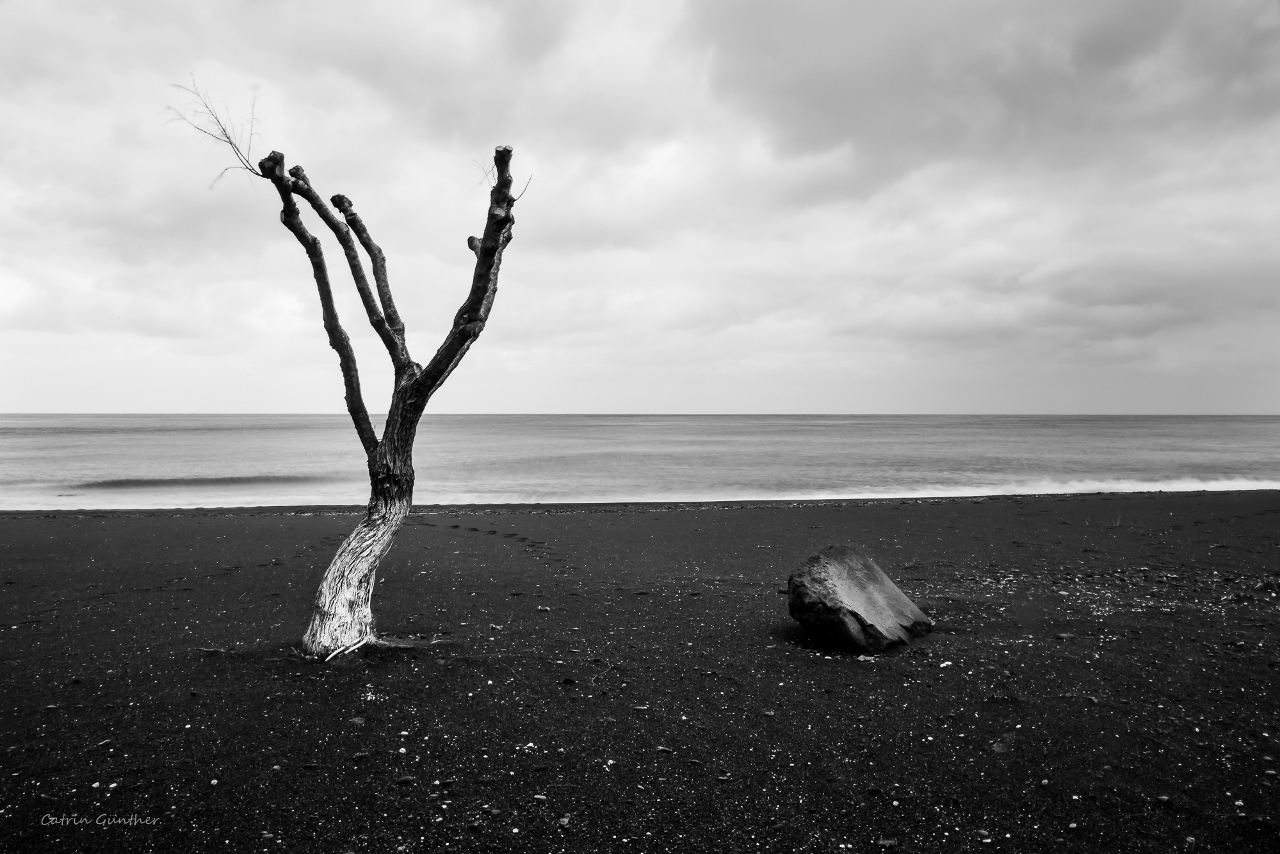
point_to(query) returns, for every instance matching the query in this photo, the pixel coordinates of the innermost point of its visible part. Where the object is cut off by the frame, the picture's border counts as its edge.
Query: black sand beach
(1103, 676)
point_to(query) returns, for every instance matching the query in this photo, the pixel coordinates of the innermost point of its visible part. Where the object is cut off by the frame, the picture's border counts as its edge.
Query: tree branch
(272, 168)
(343, 204)
(469, 322)
(394, 343)
(216, 127)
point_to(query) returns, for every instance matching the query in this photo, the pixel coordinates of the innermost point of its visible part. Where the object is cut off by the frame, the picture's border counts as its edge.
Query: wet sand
(1103, 676)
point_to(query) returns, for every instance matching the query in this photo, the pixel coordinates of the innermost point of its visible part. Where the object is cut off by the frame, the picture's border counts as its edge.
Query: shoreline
(619, 506)
(635, 666)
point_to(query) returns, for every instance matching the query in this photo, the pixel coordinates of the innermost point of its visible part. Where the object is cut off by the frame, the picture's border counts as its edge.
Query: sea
(85, 462)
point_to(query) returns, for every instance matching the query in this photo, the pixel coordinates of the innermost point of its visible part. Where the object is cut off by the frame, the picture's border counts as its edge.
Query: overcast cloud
(733, 206)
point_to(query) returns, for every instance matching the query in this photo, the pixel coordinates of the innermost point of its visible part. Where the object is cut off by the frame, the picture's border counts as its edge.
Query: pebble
(563, 821)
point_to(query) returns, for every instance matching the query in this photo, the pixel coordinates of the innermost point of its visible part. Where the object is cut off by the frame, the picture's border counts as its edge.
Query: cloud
(1010, 83)
(738, 206)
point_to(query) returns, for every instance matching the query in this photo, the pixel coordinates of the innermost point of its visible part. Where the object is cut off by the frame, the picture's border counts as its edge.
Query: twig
(221, 128)
(351, 648)
(485, 173)
(525, 187)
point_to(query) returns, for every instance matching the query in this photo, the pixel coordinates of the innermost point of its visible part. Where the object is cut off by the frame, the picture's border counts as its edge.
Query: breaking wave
(198, 482)
(1036, 487)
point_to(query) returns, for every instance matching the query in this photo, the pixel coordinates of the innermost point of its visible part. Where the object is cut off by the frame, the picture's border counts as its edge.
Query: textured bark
(343, 612)
(342, 617)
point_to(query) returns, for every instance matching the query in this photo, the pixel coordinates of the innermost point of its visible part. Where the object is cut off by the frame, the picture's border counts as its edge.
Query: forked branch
(272, 168)
(343, 204)
(390, 339)
(469, 322)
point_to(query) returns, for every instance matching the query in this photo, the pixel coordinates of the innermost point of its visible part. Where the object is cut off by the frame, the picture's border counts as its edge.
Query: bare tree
(342, 617)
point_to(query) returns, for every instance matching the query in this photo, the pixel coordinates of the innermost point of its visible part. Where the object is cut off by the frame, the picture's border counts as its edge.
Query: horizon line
(703, 414)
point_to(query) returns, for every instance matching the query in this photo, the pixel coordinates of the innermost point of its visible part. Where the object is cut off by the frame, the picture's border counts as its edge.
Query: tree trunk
(342, 617)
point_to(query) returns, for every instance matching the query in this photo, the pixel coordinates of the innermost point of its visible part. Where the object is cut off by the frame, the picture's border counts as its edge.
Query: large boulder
(843, 598)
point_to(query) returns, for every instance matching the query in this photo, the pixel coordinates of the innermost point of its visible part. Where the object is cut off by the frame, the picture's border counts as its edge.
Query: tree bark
(342, 617)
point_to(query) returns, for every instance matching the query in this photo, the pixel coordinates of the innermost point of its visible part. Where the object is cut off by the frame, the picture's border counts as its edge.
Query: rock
(841, 595)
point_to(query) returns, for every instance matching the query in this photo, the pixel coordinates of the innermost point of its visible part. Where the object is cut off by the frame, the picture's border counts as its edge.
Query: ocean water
(63, 462)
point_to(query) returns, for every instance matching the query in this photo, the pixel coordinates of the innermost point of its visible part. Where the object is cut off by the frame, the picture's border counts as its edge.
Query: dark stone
(842, 596)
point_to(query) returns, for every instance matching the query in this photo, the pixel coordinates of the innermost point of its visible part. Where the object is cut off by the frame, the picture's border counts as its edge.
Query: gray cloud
(909, 82)
(734, 205)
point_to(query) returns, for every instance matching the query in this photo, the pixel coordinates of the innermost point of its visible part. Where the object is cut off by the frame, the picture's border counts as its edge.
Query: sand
(1103, 676)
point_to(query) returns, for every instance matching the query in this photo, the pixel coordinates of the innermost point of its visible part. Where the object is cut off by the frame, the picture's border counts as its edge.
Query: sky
(729, 206)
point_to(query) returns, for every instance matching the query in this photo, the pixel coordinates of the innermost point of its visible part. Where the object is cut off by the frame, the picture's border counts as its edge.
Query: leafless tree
(342, 617)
